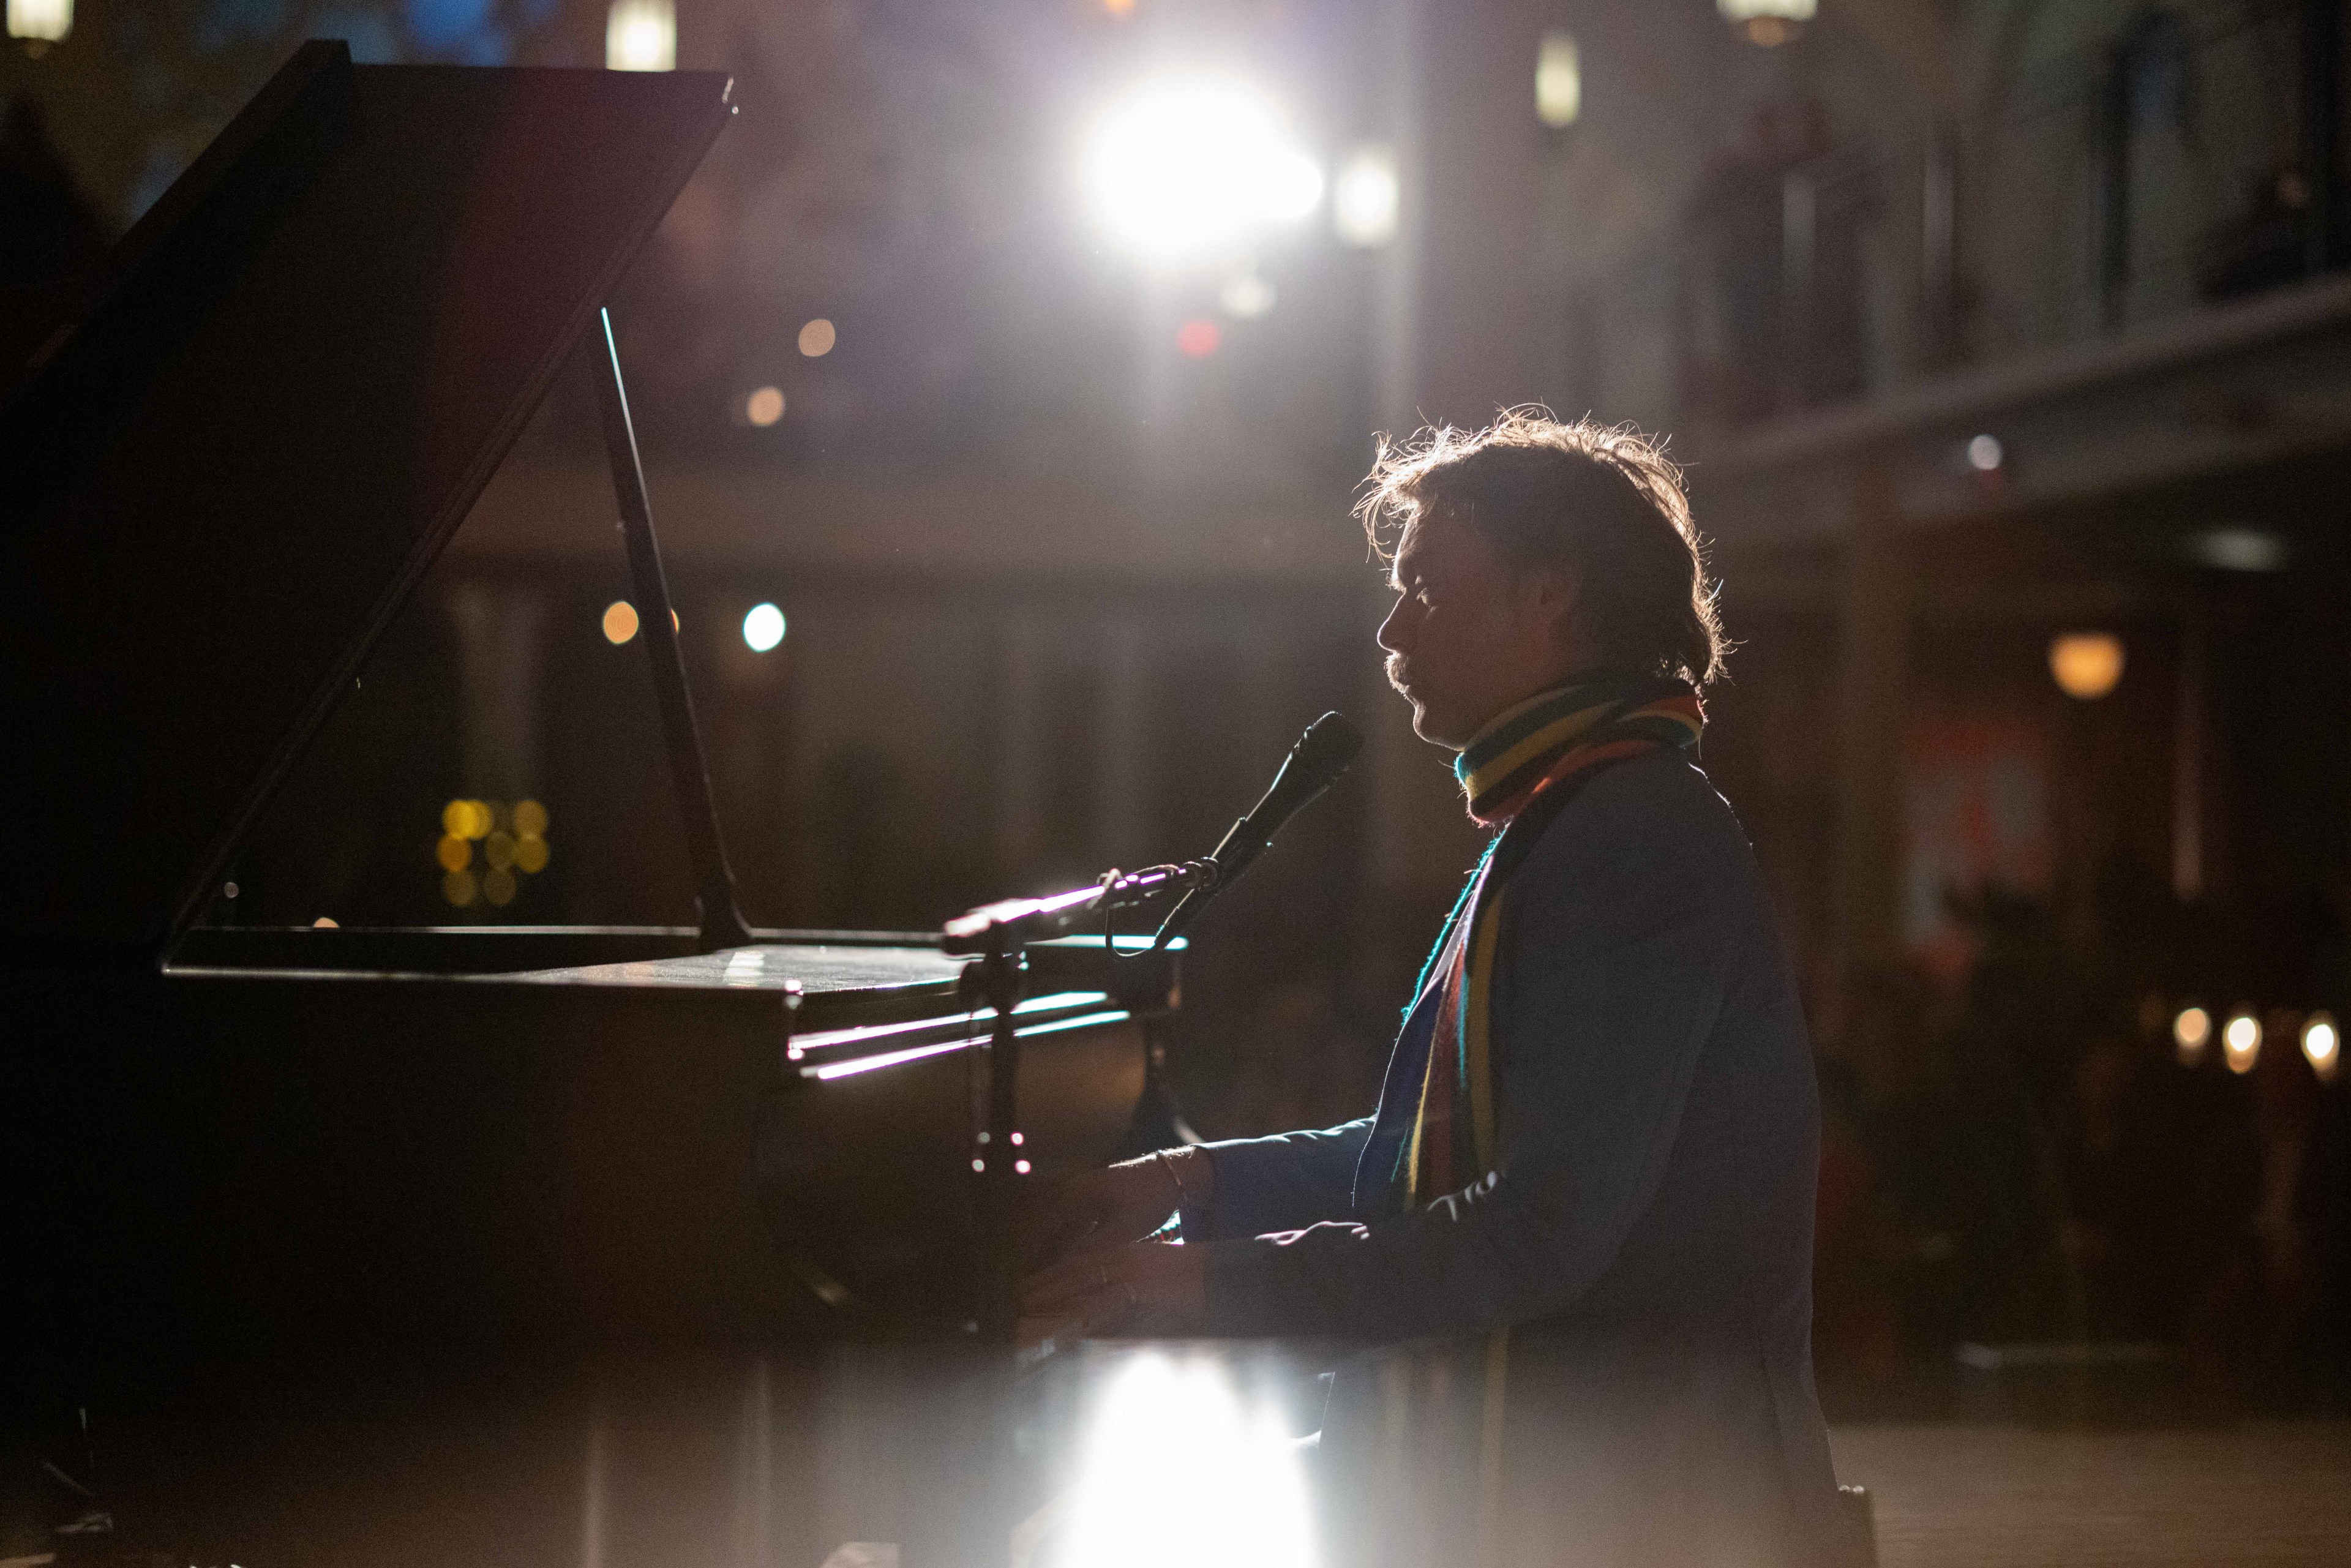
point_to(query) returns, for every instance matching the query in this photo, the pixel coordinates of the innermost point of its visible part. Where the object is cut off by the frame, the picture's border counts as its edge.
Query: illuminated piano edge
(832, 1070)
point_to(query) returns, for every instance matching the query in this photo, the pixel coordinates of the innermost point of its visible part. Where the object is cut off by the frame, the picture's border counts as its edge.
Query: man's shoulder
(1639, 819)
(1661, 793)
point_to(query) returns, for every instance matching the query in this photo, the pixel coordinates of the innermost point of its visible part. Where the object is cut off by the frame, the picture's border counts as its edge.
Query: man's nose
(1392, 634)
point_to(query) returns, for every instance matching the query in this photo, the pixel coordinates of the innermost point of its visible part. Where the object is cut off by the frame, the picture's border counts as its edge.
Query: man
(1574, 1240)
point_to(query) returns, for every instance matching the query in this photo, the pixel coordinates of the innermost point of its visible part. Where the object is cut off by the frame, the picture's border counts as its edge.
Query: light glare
(764, 406)
(817, 337)
(763, 628)
(619, 621)
(1985, 454)
(1178, 1429)
(1368, 198)
(1191, 164)
(641, 36)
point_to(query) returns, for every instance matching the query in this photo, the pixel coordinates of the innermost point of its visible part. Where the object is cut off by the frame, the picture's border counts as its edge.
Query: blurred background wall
(2006, 343)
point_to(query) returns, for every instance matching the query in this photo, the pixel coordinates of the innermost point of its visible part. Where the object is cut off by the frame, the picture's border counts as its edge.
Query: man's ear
(1555, 592)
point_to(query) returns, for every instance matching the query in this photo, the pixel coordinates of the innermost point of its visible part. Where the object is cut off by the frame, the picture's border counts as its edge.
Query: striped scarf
(1518, 773)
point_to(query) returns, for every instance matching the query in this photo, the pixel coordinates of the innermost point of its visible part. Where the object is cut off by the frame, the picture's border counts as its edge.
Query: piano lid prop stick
(722, 922)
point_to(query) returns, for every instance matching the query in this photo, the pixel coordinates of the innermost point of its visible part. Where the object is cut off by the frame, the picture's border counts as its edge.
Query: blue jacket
(1646, 1230)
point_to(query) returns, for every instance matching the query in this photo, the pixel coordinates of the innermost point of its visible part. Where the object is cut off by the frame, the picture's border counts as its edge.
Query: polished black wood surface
(229, 477)
(230, 1161)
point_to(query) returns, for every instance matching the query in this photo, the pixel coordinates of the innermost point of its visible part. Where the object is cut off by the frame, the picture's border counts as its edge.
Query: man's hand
(1144, 1287)
(1111, 1206)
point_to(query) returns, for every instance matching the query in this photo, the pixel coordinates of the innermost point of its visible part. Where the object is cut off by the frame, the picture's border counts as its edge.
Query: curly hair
(1604, 500)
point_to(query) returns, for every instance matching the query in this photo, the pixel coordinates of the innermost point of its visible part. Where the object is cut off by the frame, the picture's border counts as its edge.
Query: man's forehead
(1425, 541)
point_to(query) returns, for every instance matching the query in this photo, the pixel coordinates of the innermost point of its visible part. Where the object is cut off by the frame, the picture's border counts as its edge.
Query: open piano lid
(231, 471)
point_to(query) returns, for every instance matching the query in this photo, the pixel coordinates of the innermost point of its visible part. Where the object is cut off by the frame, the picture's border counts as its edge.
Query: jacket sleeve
(1280, 1183)
(1619, 957)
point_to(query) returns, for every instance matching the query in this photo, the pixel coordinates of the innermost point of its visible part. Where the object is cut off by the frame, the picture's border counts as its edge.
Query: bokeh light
(40, 22)
(1368, 199)
(529, 818)
(763, 628)
(1985, 454)
(1198, 338)
(1193, 165)
(459, 887)
(2241, 1041)
(2087, 665)
(1769, 22)
(619, 621)
(1559, 81)
(764, 406)
(1247, 297)
(641, 36)
(2322, 1045)
(817, 339)
(2191, 1032)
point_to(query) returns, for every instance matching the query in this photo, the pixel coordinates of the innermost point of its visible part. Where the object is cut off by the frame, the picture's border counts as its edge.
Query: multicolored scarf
(1518, 773)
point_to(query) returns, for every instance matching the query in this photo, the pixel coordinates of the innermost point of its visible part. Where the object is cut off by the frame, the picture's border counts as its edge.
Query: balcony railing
(2194, 158)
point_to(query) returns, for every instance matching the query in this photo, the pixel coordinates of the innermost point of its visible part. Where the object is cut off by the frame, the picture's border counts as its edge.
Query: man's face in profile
(1467, 637)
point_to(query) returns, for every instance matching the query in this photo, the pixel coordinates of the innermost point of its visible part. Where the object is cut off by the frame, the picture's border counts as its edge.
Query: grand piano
(522, 1245)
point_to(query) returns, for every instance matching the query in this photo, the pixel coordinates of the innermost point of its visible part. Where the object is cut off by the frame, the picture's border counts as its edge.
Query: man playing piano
(1572, 1248)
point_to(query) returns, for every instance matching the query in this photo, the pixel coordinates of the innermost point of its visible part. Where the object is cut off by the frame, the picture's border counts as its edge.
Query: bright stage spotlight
(1175, 1431)
(1191, 164)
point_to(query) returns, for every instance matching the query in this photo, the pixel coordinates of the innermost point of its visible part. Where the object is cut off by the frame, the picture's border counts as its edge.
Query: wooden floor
(1991, 1496)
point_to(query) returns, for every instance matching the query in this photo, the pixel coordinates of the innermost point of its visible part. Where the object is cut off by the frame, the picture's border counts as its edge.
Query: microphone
(1313, 765)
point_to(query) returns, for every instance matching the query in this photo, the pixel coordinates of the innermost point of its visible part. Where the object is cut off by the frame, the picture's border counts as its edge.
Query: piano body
(502, 1245)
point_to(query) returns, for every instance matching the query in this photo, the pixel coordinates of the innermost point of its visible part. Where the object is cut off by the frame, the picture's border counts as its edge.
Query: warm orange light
(454, 852)
(325, 923)
(2191, 1032)
(1119, 8)
(2322, 1045)
(498, 885)
(530, 854)
(2240, 1042)
(459, 887)
(499, 850)
(817, 339)
(619, 621)
(764, 406)
(529, 818)
(2087, 665)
